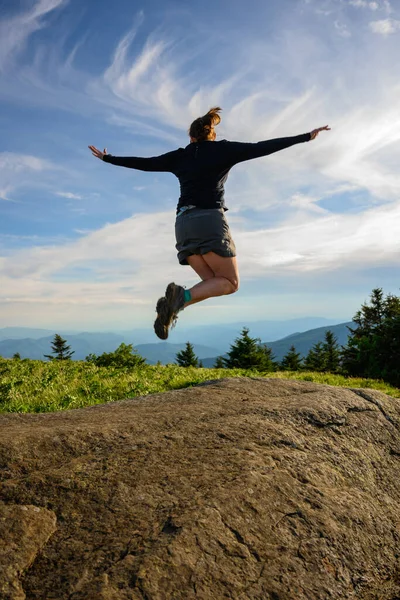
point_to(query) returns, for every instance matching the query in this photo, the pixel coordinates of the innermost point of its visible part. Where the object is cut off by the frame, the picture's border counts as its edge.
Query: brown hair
(203, 128)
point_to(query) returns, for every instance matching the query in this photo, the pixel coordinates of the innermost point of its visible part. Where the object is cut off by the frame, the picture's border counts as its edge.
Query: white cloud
(17, 163)
(15, 31)
(342, 29)
(324, 243)
(306, 203)
(123, 269)
(364, 4)
(387, 6)
(119, 268)
(154, 88)
(4, 193)
(383, 5)
(129, 242)
(69, 195)
(272, 95)
(18, 169)
(385, 26)
(83, 231)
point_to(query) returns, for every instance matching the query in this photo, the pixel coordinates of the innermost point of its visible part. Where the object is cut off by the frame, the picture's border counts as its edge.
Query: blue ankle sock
(187, 296)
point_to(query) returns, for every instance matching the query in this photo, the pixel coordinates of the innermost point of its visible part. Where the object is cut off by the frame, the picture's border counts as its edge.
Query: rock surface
(260, 489)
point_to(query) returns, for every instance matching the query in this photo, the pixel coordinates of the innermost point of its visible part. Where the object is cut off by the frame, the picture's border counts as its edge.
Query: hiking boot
(167, 309)
(160, 329)
(175, 295)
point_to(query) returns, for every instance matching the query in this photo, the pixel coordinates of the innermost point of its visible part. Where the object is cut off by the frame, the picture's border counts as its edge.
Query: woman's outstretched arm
(241, 151)
(165, 162)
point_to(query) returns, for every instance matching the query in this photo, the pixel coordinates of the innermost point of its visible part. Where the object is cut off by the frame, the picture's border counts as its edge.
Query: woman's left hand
(315, 132)
(97, 153)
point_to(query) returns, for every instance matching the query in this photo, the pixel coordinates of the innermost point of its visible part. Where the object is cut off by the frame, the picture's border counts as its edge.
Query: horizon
(210, 341)
(224, 324)
(91, 246)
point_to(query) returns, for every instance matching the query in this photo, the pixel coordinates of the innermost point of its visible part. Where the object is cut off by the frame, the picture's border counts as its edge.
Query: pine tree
(315, 359)
(332, 352)
(219, 363)
(388, 349)
(60, 349)
(249, 353)
(372, 345)
(359, 352)
(125, 356)
(187, 357)
(292, 361)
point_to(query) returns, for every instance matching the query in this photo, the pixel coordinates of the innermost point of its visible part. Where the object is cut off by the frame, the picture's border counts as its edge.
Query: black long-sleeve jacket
(202, 167)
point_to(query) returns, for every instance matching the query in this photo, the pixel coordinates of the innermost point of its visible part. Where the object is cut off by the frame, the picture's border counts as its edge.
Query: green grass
(32, 386)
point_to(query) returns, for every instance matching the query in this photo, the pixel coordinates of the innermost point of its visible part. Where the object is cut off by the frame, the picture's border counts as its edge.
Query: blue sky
(87, 245)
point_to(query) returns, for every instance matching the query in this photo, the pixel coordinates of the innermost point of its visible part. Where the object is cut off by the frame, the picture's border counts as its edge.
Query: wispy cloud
(325, 243)
(17, 163)
(379, 5)
(18, 169)
(155, 87)
(364, 4)
(120, 266)
(69, 195)
(306, 203)
(15, 31)
(342, 29)
(385, 26)
(4, 193)
(152, 92)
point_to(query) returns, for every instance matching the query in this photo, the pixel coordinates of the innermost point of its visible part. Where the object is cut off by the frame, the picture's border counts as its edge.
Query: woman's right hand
(98, 153)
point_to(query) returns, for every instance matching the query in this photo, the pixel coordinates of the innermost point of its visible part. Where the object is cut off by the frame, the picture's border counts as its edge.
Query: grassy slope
(36, 386)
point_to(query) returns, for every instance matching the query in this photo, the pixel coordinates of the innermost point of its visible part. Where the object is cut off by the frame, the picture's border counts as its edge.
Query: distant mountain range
(222, 335)
(303, 342)
(218, 336)
(92, 343)
(209, 341)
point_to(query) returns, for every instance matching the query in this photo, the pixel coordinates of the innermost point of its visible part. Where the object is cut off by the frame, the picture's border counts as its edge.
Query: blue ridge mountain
(209, 341)
(303, 342)
(85, 344)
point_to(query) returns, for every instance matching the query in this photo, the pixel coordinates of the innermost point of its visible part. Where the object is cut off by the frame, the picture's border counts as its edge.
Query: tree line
(372, 350)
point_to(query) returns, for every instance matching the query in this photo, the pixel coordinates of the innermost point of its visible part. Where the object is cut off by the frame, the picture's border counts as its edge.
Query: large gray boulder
(260, 489)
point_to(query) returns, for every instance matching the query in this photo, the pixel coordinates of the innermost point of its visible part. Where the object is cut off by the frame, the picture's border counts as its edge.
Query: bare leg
(220, 276)
(219, 273)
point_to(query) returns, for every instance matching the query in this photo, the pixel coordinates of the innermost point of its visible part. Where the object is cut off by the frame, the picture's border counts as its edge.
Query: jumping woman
(203, 238)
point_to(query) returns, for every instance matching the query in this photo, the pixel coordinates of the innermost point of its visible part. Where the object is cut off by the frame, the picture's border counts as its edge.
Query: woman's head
(202, 129)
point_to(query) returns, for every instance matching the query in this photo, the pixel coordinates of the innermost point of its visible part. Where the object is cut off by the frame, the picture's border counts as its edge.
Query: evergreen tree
(388, 350)
(315, 359)
(331, 352)
(359, 352)
(60, 349)
(187, 357)
(17, 356)
(124, 356)
(370, 346)
(249, 353)
(271, 364)
(219, 363)
(292, 361)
